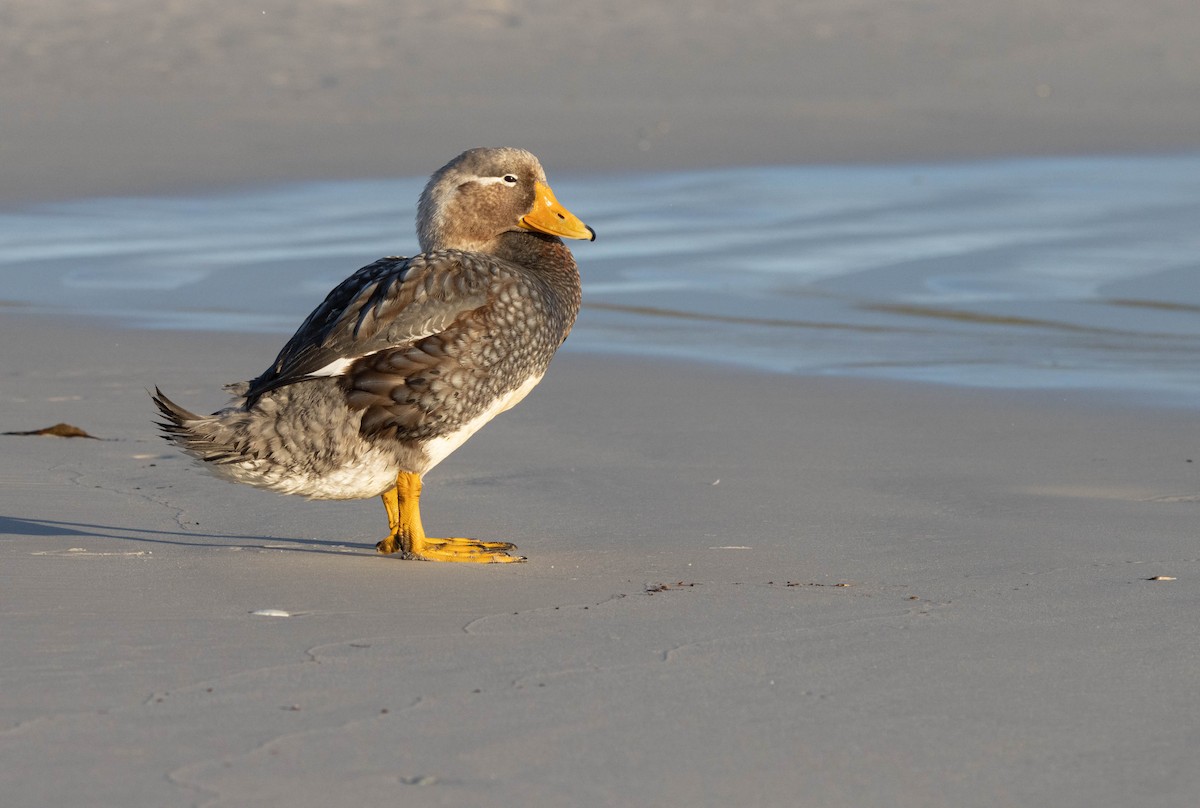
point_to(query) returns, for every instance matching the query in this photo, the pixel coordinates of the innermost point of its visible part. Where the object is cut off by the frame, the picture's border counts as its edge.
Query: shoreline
(196, 185)
(1090, 398)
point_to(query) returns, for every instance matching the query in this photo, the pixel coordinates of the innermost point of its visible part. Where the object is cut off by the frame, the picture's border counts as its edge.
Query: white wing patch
(339, 366)
(335, 368)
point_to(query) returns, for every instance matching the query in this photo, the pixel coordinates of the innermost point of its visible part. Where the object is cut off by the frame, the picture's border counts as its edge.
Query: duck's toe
(469, 551)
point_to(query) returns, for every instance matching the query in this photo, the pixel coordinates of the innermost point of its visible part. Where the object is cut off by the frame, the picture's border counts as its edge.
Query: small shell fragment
(1162, 578)
(271, 613)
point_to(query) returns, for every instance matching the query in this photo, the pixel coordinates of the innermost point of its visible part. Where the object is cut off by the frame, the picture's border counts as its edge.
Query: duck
(409, 356)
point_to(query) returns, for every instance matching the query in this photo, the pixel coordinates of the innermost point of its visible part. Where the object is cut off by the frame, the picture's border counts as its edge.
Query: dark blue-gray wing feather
(385, 305)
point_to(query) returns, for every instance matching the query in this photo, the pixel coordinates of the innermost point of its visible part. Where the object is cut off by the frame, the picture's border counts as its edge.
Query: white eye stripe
(507, 179)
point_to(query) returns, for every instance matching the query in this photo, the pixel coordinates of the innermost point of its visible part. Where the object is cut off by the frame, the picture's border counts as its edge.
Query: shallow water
(1064, 273)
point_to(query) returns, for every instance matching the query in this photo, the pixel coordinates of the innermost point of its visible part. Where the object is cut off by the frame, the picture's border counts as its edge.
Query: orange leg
(407, 536)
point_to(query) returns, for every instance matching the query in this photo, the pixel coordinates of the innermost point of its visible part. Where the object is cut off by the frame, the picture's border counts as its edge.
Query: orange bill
(548, 216)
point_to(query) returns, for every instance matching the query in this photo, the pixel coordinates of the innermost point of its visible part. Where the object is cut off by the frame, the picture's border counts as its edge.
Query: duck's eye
(510, 179)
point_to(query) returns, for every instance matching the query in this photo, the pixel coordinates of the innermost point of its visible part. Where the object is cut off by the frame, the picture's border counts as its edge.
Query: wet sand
(744, 588)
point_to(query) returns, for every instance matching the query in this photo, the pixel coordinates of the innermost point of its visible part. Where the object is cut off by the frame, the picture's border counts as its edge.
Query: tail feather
(198, 435)
(174, 427)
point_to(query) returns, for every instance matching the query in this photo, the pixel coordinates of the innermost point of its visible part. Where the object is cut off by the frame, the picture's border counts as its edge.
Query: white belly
(439, 449)
(370, 474)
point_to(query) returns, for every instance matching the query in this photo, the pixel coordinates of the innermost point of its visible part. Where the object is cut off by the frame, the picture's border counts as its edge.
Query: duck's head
(472, 201)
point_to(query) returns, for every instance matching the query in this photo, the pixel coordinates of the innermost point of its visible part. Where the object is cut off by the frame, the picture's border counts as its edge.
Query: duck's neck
(550, 260)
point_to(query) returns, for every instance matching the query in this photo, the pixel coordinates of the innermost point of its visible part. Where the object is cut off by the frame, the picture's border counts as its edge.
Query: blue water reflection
(1077, 273)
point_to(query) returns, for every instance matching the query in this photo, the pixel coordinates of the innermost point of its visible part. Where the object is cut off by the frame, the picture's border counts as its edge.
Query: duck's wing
(389, 304)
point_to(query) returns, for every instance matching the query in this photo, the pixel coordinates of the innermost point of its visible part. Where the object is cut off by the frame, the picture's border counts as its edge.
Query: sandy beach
(103, 98)
(743, 588)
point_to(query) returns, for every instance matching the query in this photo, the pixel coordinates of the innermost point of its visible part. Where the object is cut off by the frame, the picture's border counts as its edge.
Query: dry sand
(742, 589)
(105, 97)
